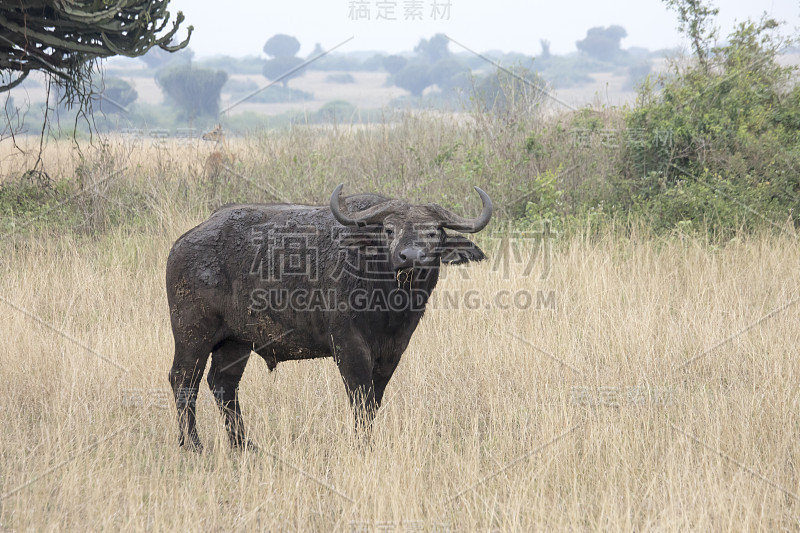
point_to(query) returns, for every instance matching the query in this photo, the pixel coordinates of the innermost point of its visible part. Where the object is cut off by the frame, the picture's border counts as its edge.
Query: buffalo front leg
(354, 360)
(227, 366)
(185, 375)
(380, 379)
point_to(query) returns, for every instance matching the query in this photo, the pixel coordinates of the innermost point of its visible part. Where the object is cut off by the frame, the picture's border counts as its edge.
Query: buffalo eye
(432, 234)
(389, 232)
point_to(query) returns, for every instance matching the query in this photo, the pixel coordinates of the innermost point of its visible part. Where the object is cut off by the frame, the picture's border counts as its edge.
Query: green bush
(504, 89)
(340, 77)
(336, 111)
(718, 140)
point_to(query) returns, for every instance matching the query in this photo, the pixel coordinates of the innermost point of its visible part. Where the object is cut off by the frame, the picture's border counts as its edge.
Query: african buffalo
(348, 281)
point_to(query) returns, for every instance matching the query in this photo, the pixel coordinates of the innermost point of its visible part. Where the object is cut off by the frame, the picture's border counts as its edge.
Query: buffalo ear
(458, 250)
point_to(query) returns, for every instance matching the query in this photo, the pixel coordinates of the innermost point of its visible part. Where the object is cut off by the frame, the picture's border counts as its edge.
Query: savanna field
(599, 378)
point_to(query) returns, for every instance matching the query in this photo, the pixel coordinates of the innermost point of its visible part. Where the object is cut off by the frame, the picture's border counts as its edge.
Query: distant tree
(281, 45)
(414, 78)
(545, 44)
(277, 67)
(115, 92)
(449, 73)
(603, 43)
(195, 91)
(394, 64)
(282, 49)
(433, 64)
(637, 72)
(433, 50)
(317, 51)
(373, 63)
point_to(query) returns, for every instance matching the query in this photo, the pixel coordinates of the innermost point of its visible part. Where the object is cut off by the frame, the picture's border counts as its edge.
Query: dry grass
(581, 418)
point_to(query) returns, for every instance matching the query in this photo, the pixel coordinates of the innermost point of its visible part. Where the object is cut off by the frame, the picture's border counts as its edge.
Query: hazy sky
(241, 28)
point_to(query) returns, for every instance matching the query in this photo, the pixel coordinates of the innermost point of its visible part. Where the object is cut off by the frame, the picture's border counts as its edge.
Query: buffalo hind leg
(227, 366)
(185, 375)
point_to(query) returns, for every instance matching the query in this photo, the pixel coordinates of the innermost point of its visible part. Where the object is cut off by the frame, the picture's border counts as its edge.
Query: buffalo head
(413, 235)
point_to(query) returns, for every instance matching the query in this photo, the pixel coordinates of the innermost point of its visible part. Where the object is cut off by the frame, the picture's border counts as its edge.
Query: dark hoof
(194, 445)
(244, 445)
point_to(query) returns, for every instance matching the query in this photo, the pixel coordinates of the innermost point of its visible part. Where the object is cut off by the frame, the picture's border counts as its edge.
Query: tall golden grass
(661, 393)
